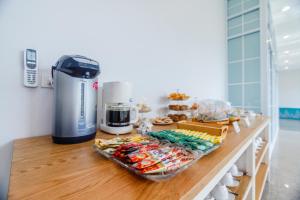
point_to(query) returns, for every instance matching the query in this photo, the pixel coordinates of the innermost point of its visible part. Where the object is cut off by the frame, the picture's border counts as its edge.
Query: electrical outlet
(46, 78)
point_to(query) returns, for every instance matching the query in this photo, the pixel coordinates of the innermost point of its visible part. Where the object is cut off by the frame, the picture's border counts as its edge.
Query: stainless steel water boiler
(75, 81)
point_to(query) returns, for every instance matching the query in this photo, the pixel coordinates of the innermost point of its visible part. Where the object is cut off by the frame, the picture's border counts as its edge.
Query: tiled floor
(285, 165)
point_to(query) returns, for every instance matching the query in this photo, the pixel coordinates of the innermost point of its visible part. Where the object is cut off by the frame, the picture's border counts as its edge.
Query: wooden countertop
(43, 170)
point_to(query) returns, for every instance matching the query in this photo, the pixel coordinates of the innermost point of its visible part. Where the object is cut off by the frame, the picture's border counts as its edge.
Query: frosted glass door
(244, 77)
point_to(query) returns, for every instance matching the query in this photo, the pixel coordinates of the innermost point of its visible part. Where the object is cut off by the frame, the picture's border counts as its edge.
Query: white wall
(289, 92)
(158, 45)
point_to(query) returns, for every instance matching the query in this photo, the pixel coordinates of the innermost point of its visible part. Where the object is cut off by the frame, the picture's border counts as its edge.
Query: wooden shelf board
(243, 189)
(260, 155)
(260, 180)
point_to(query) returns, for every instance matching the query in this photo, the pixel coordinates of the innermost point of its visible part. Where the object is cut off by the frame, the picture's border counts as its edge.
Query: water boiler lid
(78, 66)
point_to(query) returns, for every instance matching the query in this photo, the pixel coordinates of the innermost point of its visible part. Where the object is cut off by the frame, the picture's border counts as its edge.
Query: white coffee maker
(117, 115)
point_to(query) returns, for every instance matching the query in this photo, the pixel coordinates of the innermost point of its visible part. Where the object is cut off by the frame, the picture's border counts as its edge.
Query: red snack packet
(153, 169)
(137, 156)
(155, 156)
(149, 147)
(145, 163)
(141, 153)
(124, 149)
(178, 159)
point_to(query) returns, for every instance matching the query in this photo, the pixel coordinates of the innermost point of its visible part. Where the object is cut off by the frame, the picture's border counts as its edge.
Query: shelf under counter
(260, 155)
(42, 169)
(243, 189)
(260, 180)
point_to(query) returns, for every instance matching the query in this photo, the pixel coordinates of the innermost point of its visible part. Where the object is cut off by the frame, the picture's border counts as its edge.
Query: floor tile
(285, 168)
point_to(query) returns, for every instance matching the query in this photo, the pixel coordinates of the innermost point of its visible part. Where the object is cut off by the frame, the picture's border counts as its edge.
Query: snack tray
(153, 177)
(162, 175)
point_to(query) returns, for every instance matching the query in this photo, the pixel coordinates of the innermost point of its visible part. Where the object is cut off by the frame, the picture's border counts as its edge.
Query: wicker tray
(210, 128)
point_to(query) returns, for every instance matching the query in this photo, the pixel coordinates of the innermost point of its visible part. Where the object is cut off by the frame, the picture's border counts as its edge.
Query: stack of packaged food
(178, 107)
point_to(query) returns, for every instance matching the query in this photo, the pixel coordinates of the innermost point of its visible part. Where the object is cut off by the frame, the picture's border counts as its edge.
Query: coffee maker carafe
(117, 115)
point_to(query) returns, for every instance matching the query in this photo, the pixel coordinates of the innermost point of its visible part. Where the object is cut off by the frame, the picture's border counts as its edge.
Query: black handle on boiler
(52, 69)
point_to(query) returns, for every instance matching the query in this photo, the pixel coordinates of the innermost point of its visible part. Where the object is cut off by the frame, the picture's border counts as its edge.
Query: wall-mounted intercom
(30, 68)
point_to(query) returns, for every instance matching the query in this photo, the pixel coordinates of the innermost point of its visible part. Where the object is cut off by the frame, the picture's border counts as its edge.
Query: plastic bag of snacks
(213, 110)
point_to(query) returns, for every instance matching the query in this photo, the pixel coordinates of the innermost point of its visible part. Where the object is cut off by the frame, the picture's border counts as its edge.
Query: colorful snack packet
(145, 163)
(155, 156)
(167, 165)
(178, 159)
(142, 153)
(123, 150)
(156, 168)
(137, 156)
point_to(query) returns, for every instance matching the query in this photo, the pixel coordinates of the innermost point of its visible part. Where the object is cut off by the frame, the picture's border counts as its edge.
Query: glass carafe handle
(136, 115)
